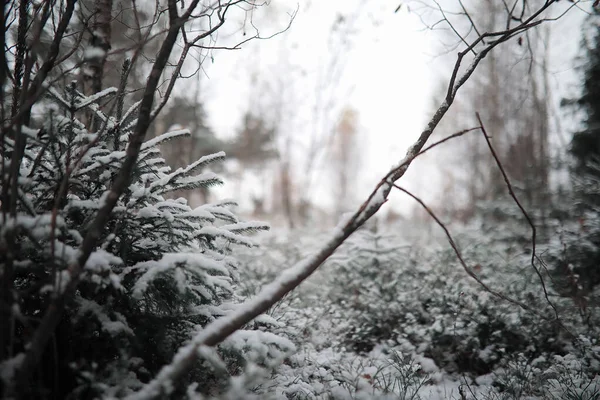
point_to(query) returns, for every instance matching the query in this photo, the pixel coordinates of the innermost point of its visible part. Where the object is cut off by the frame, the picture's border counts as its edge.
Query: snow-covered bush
(163, 270)
(426, 304)
(334, 374)
(570, 378)
(573, 376)
(379, 295)
(368, 275)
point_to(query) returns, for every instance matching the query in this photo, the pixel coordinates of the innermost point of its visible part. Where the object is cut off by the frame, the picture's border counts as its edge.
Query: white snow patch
(10, 366)
(92, 53)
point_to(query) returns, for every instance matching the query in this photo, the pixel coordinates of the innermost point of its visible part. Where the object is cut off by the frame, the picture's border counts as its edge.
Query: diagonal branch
(217, 331)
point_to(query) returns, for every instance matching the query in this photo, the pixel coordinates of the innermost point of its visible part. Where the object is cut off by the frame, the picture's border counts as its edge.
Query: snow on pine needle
(162, 269)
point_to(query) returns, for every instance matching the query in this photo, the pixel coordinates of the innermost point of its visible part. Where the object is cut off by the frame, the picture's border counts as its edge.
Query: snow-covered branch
(220, 329)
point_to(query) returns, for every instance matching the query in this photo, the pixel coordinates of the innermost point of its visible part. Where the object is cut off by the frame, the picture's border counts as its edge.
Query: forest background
(471, 272)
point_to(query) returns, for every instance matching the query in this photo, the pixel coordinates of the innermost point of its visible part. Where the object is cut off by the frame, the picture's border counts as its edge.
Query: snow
(267, 296)
(114, 328)
(10, 366)
(204, 179)
(205, 160)
(247, 226)
(426, 364)
(89, 100)
(62, 281)
(487, 353)
(164, 137)
(83, 204)
(219, 212)
(39, 226)
(180, 280)
(131, 111)
(267, 320)
(57, 96)
(201, 213)
(101, 260)
(177, 179)
(194, 262)
(225, 234)
(211, 355)
(91, 53)
(32, 133)
(378, 198)
(102, 161)
(263, 345)
(208, 311)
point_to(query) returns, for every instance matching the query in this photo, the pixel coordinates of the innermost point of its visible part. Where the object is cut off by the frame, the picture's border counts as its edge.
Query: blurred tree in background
(585, 146)
(579, 262)
(512, 95)
(346, 159)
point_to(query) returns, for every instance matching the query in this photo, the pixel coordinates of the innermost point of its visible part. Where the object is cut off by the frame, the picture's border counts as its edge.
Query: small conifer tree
(163, 270)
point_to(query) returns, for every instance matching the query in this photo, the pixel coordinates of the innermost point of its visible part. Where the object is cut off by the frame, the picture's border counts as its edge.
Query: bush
(163, 270)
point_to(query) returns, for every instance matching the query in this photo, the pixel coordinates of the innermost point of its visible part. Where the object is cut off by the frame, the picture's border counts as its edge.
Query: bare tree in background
(512, 93)
(272, 101)
(327, 108)
(305, 103)
(99, 45)
(345, 159)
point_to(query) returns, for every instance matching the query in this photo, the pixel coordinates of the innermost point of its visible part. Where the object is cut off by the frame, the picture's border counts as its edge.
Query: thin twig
(469, 17)
(441, 141)
(462, 39)
(525, 214)
(468, 270)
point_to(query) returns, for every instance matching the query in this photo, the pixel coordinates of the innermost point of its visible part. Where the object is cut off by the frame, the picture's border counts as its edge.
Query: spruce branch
(139, 117)
(55, 310)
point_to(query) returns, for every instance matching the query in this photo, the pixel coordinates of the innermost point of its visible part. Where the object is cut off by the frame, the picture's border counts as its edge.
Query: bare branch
(468, 270)
(469, 17)
(444, 140)
(451, 25)
(37, 87)
(221, 14)
(525, 214)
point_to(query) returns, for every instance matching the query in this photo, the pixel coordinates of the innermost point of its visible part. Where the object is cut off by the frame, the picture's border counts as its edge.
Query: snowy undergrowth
(384, 318)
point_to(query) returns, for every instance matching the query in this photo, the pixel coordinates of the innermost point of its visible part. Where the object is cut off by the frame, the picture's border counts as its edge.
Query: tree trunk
(99, 46)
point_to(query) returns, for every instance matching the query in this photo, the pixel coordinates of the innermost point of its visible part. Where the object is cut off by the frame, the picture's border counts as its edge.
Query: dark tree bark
(99, 46)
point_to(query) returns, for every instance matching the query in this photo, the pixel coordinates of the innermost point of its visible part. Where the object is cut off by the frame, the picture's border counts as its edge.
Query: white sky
(386, 68)
(392, 68)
